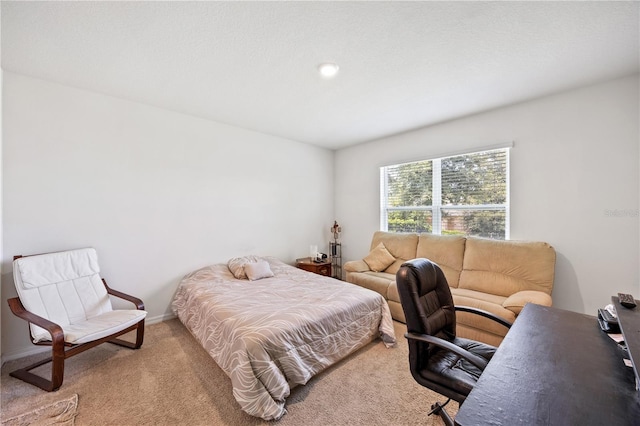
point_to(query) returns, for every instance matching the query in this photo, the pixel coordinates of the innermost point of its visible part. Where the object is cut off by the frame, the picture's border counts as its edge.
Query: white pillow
(258, 270)
(236, 265)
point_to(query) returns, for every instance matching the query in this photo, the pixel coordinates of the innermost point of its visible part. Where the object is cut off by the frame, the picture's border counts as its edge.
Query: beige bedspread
(273, 334)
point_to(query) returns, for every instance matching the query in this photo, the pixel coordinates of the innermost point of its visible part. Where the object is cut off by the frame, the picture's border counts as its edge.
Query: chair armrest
(138, 302)
(476, 360)
(516, 301)
(485, 314)
(57, 335)
(356, 266)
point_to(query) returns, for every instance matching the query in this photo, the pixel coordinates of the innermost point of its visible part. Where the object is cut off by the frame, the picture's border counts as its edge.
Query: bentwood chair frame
(61, 348)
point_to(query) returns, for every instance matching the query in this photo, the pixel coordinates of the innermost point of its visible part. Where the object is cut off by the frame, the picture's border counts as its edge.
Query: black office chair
(438, 359)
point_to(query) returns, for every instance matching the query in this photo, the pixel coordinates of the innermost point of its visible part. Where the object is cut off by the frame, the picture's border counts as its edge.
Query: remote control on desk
(627, 300)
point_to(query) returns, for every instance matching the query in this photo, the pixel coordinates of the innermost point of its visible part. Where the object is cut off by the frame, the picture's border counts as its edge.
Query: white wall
(160, 193)
(157, 193)
(574, 161)
(1, 268)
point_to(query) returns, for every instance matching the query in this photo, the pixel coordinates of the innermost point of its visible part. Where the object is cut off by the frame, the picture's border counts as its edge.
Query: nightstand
(308, 264)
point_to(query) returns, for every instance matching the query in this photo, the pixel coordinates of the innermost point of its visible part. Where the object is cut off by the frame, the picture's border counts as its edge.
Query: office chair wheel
(437, 408)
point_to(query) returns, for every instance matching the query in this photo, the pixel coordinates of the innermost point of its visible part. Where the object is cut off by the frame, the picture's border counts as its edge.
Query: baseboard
(21, 353)
(34, 350)
(159, 318)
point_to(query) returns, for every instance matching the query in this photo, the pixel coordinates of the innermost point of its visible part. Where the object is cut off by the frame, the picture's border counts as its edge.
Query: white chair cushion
(66, 289)
(102, 325)
(51, 268)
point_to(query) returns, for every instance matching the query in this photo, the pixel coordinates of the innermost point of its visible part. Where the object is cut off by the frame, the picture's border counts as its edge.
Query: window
(461, 195)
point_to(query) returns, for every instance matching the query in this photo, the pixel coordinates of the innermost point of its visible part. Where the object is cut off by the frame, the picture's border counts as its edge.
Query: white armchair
(68, 307)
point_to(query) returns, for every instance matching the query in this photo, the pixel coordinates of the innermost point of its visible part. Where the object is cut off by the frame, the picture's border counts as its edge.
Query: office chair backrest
(438, 359)
(63, 287)
(426, 299)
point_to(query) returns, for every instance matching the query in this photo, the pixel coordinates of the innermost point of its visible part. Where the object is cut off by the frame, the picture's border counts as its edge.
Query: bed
(270, 335)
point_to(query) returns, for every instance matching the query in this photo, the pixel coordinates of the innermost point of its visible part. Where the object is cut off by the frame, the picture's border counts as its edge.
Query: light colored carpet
(61, 413)
(171, 380)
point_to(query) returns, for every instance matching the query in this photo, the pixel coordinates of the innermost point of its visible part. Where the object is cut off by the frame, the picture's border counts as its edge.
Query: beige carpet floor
(61, 413)
(171, 380)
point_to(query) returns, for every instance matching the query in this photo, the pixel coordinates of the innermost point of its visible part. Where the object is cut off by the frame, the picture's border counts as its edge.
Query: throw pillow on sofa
(379, 258)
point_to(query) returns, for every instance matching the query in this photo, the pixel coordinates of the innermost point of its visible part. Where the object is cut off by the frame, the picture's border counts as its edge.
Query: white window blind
(464, 194)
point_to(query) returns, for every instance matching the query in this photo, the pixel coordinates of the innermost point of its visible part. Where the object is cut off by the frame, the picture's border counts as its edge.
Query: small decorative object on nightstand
(336, 251)
(320, 268)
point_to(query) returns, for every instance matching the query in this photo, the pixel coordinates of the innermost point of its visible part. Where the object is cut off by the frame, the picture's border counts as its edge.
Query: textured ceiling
(403, 65)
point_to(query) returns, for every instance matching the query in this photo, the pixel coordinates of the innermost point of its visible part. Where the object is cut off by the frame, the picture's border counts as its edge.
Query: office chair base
(438, 410)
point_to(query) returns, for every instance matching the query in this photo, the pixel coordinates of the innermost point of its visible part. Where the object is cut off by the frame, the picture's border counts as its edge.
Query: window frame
(437, 208)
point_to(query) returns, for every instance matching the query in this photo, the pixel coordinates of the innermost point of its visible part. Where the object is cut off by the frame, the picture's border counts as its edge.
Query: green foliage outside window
(474, 179)
(470, 195)
(409, 221)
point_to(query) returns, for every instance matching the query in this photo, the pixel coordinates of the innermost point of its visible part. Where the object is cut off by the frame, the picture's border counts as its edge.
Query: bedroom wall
(1, 246)
(157, 193)
(574, 183)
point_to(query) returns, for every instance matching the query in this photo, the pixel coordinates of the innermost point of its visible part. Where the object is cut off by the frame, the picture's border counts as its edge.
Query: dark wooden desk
(554, 367)
(629, 320)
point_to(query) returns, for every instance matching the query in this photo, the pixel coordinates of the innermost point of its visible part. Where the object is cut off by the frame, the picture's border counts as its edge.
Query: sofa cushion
(395, 266)
(376, 281)
(401, 246)
(477, 295)
(486, 302)
(506, 267)
(445, 250)
(392, 292)
(379, 258)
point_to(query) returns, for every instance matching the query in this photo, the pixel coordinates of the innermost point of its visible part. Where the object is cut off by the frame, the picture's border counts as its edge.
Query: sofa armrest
(356, 266)
(516, 301)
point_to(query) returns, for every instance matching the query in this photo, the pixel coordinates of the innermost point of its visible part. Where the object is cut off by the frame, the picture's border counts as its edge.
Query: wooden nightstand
(307, 264)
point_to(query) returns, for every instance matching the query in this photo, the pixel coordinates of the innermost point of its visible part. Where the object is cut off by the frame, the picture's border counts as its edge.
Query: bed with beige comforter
(275, 333)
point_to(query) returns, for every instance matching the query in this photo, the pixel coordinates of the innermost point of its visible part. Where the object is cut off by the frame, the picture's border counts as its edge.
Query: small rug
(59, 413)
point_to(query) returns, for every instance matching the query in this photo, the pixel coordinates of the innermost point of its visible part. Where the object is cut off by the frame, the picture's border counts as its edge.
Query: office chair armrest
(57, 335)
(485, 314)
(138, 302)
(476, 360)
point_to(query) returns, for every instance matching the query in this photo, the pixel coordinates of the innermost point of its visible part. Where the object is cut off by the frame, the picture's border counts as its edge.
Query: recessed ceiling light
(328, 69)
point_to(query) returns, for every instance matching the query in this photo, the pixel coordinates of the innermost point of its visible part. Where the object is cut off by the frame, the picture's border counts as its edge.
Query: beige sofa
(496, 276)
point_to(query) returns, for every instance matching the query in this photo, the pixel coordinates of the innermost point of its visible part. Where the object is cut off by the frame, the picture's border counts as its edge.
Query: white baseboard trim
(34, 350)
(159, 318)
(21, 353)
